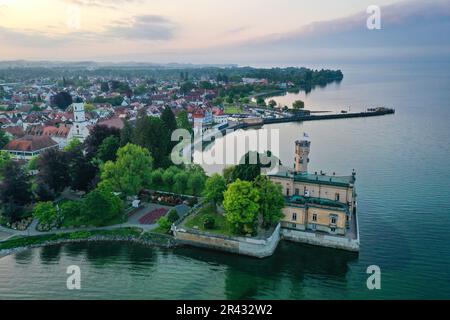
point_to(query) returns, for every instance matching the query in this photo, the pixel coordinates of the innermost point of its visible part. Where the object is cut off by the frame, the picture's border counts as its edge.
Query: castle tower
(302, 156)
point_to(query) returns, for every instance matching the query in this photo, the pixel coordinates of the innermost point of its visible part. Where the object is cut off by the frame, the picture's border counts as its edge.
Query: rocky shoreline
(155, 240)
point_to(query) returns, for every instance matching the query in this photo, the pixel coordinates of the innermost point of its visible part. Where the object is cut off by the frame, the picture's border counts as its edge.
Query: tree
(96, 137)
(196, 183)
(169, 178)
(130, 172)
(108, 149)
(186, 87)
(54, 170)
(272, 103)
(228, 174)
(152, 133)
(126, 134)
(72, 211)
(241, 206)
(156, 178)
(101, 207)
(169, 120)
(4, 139)
(180, 185)
(81, 170)
(299, 104)
(247, 170)
(5, 158)
(261, 102)
(271, 200)
(251, 164)
(215, 186)
(43, 192)
(183, 121)
(73, 144)
(173, 216)
(62, 100)
(46, 213)
(104, 87)
(15, 190)
(164, 224)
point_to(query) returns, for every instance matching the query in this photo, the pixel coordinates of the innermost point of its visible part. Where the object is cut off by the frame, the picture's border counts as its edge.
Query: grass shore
(121, 234)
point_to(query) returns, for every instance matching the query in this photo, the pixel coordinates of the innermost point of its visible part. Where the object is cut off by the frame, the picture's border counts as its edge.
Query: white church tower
(79, 128)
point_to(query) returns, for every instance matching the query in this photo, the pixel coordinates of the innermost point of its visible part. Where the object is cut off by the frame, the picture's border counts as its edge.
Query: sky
(215, 31)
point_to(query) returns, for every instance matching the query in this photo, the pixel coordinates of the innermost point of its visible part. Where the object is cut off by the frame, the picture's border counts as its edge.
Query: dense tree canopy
(62, 100)
(54, 170)
(271, 200)
(15, 190)
(108, 149)
(45, 212)
(130, 172)
(215, 186)
(101, 206)
(298, 104)
(152, 133)
(242, 207)
(183, 121)
(96, 137)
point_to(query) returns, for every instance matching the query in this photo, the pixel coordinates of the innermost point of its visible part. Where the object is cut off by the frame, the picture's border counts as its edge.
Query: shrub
(173, 216)
(209, 222)
(164, 224)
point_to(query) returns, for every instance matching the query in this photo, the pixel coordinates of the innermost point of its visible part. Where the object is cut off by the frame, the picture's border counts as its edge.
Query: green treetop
(215, 186)
(241, 206)
(130, 172)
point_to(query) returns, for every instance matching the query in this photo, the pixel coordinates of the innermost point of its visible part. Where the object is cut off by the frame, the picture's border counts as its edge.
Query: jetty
(376, 112)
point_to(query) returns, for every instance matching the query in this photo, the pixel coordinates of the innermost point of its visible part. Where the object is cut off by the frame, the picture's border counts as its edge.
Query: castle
(320, 209)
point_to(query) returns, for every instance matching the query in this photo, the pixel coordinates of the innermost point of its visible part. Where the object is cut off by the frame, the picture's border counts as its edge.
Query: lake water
(403, 180)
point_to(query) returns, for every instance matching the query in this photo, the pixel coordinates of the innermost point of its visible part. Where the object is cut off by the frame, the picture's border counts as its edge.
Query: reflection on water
(250, 278)
(402, 183)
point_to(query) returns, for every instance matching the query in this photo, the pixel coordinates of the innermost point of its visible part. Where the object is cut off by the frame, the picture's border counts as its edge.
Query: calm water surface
(403, 180)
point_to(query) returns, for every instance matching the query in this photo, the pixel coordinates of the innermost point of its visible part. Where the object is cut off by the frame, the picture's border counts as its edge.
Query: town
(84, 151)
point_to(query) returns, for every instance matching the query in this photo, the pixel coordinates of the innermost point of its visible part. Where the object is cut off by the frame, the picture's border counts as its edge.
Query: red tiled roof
(15, 131)
(31, 143)
(112, 123)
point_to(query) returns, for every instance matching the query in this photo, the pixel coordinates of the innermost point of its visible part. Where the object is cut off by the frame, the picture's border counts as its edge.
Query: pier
(300, 118)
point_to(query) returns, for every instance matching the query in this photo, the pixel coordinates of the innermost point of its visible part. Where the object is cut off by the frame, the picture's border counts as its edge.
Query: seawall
(253, 247)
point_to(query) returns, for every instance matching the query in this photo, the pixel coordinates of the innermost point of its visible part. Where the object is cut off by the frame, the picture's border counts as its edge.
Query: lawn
(221, 225)
(233, 110)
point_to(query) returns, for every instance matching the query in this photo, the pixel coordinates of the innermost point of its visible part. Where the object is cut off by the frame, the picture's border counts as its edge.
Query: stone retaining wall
(321, 239)
(259, 248)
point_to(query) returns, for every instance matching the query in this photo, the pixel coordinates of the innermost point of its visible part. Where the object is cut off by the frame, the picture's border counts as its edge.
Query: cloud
(404, 23)
(145, 27)
(111, 4)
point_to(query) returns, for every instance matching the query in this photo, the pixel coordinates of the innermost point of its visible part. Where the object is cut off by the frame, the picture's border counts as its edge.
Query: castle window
(294, 216)
(287, 192)
(314, 217)
(297, 191)
(332, 229)
(333, 220)
(336, 197)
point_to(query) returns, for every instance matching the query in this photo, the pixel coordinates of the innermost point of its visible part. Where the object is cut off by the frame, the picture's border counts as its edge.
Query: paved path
(132, 222)
(31, 231)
